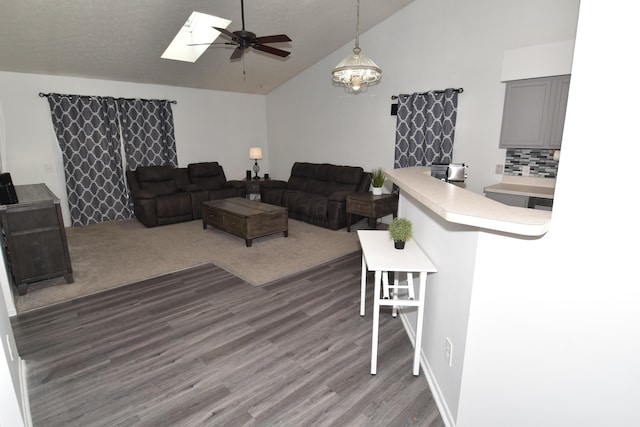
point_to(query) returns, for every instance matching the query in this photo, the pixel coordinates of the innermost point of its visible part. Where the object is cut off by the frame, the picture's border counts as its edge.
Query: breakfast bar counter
(483, 250)
(457, 205)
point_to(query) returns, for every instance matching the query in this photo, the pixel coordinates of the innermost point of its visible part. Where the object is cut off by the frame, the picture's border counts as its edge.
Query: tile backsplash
(540, 162)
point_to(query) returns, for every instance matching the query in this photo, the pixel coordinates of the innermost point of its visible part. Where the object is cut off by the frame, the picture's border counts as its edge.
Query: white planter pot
(377, 191)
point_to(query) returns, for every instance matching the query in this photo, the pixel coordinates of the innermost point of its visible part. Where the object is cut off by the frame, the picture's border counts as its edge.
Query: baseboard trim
(441, 403)
(26, 408)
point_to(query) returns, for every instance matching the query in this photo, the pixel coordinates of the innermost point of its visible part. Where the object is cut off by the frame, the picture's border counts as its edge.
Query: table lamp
(255, 153)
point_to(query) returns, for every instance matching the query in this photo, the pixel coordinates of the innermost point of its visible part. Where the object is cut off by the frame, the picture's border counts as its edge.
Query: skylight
(196, 30)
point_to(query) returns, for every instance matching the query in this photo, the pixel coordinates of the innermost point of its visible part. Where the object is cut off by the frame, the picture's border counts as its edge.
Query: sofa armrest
(365, 183)
(273, 183)
(145, 211)
(237, 184)
(339, 196)
(139, 195)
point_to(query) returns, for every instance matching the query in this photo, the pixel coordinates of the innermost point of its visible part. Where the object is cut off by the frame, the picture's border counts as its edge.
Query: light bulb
(356, 84)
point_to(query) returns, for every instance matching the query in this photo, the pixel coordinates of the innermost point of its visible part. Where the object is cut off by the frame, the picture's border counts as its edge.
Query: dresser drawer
(26, 220)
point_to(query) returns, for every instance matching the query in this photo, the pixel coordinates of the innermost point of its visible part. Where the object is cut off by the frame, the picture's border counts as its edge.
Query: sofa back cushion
(208, 175)
(324, 178)
(158, 180)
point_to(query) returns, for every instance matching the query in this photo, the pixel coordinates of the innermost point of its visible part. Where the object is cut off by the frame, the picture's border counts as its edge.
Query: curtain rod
(459, 90)
(45, 95)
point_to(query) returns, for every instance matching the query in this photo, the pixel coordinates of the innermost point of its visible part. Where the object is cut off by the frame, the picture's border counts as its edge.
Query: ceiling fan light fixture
(356, 71)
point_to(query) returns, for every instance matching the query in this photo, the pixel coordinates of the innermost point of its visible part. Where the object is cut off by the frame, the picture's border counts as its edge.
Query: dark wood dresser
(35, 241)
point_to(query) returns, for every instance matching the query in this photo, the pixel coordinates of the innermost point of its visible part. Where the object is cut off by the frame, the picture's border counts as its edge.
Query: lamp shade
(255, 153)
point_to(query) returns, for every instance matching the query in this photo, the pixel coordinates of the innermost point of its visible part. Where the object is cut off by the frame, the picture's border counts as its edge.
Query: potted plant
(400, 231)
(377, 180)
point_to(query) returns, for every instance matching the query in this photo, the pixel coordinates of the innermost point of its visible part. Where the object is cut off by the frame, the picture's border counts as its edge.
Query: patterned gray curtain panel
(148, 136)
(425, 128)
(88, 134)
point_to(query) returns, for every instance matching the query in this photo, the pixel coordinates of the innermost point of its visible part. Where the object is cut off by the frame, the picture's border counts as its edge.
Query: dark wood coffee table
(248, 219)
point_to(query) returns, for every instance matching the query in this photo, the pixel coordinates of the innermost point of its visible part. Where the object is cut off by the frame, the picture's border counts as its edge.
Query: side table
(253, 187)
(372, 207)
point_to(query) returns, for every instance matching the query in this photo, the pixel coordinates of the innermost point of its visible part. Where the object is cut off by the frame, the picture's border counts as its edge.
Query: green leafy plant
(377, 177)
(400, 229)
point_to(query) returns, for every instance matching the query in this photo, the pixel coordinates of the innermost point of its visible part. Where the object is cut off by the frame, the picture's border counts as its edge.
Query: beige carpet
(120, 252)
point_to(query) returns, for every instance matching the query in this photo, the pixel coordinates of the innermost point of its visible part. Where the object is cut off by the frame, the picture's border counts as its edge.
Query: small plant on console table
(400, 231)
(377, 180)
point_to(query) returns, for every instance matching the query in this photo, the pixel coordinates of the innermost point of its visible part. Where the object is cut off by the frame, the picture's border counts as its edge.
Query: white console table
(379, 255)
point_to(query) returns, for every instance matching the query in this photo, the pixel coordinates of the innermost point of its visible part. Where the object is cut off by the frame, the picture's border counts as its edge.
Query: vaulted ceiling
(124, 39)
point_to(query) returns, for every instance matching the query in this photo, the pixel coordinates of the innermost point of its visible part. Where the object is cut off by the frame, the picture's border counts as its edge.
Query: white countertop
(457, 205)
(524, 186)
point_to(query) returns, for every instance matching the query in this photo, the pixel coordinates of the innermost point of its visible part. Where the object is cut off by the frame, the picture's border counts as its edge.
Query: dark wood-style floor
(201, 347)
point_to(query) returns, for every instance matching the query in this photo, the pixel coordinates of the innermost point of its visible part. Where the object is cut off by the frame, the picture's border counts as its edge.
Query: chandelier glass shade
(356, 71)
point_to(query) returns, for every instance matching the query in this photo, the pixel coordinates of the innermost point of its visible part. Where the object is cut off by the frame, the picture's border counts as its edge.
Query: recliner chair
(210, 177)
(161, 195)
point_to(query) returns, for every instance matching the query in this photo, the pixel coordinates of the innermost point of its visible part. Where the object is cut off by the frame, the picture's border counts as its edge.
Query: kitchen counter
(457, 205)
(524, 186)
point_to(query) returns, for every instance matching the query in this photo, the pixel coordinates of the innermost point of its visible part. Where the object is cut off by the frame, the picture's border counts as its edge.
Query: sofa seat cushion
(174, 206)
(208, 175)
(302, 204)
(159, 188)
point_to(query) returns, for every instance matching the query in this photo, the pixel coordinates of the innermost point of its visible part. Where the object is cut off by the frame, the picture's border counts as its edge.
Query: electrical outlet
(448, 352)
(525, 170)
(499, 169)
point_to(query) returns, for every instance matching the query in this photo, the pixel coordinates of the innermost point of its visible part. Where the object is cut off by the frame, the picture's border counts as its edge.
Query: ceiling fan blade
(237, 54)
(278, 38)
(272, 50)
(227, 33)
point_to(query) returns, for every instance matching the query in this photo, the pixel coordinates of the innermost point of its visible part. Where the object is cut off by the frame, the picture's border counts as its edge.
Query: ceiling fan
(244, 39)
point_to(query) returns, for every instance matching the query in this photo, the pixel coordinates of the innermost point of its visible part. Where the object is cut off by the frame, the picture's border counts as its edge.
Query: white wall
(452, 248)
(11, 388)
(209, 126)
(430, 44)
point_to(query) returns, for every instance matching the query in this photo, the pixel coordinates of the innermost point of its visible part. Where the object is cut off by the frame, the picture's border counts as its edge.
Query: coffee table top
(243, 207)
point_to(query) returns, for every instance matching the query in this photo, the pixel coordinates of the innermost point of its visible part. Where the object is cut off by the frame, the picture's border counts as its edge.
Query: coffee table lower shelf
(244, 218)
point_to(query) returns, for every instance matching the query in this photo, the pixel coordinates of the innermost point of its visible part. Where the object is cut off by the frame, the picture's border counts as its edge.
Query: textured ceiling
(124, 39)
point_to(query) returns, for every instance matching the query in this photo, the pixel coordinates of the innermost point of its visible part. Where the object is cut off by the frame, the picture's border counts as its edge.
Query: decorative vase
(399, 244)
(377, 191)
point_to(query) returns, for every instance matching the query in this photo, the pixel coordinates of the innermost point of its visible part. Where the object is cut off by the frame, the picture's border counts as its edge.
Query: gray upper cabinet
(534, 111)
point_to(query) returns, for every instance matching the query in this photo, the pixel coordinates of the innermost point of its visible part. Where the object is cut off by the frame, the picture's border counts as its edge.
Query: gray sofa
(316, 193)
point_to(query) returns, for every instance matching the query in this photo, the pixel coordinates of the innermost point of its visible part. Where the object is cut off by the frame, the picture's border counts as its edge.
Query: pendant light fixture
(356, 71)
